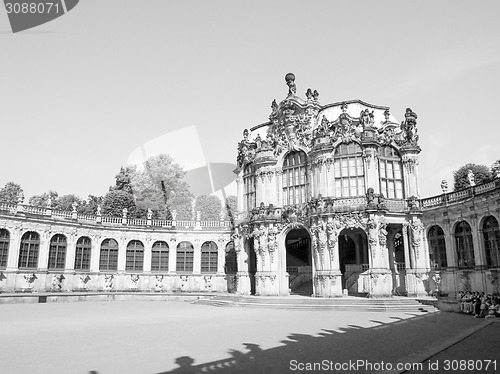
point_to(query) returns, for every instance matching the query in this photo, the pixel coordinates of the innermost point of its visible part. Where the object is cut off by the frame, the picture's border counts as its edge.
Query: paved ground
(177, 337)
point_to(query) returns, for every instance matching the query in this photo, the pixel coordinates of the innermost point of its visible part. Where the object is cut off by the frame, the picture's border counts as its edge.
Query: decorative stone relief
(416, 228)
(371, 227)
(208, 282)
(29, 279)
(56, 282)
(158, 283)
(382, 233)
(84, 281)
(134, 280)
(108, 282)
(272, 243)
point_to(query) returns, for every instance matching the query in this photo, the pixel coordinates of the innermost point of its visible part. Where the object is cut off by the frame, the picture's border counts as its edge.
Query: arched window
(82, 255)
(249, 187)
(57, 252)
(437, 247)
(109, 255)
(231, 266)
(135, 256)
(295, 178)
(185, 252)
(4, 247)
(28, 253)
(391, 177)
(159, 256)
(209, 257)
(348, 170)
(491, 236)
(465, 248)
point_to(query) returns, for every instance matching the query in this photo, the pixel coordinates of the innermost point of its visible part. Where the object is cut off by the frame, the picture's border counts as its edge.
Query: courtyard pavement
(153, 337)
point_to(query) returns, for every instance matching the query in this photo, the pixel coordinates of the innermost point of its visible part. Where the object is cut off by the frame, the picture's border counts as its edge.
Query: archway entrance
(298, 261)
(353, 259)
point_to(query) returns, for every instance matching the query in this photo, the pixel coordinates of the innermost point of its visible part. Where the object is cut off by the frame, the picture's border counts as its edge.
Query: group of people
(479, 305)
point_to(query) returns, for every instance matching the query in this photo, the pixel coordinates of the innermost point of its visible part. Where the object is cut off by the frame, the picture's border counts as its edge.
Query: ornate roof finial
(290, 81)
(343, 107)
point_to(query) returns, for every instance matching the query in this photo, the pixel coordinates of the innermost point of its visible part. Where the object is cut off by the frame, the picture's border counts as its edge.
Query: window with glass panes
(249, 187)
(491, 236)
(295, 178)
(391, 178)
(109, 255)
(231, 266)
(465, 248)
(28, 252)
(4, 247)
(134, 258)
(82, 254)
(57, 252)
(185, 253)
(209, 257)
(437, 247)
(159, 256)
(348, 171)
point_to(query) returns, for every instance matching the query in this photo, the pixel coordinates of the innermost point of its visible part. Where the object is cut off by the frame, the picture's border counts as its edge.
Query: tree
(10, 193)
(65, 202)
(231, 207)
(481, 173)
(209, 207)
(114, 202)
(42, 200)
(183, 205)
(123, 179)
(90, 205)
(495, 169)
(156, 186)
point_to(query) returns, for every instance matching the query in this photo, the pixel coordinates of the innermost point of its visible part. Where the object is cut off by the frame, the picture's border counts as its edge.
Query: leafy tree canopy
(42, 200)
(209, 206)
(10, 193)
(495, 169)
(183, 205)
(231, 207)
(481, 173)
(114, 202)
(124, 179)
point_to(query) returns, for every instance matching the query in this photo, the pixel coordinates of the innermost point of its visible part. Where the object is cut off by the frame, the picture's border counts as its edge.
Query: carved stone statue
(74, 206)
(370, 197)
(49, 202)
(98, 212)
(290, 81)
(198, 215)
(124, 212)
(315, 95)
(471, 178)
(150, 214)
(174, 214)
(309, 94)
(444, 186)
(409, 127)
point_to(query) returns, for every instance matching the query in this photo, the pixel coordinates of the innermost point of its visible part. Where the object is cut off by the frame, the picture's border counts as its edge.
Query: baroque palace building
(328, 202)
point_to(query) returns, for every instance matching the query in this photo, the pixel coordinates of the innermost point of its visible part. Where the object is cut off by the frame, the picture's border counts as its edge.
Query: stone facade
(463, 239)
(343, 171)
(43, 250)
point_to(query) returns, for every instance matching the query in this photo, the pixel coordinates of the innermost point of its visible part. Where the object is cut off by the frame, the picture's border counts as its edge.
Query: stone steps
(309, 303)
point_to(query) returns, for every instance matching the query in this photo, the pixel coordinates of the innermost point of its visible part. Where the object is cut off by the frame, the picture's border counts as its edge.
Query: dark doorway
(353, 258)
(252, 265)
(298, 261)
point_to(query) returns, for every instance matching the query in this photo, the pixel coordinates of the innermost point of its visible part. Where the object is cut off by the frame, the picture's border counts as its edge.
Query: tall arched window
(391, 177)
(4, 247)
(109, 255)
(135, 256)
(295, 178)
(28, 253)
(348, 170)
(209, 257)
(465, 248)
(185, 253)
(159, 256)
(231, 266)
(491, 236)
(57, 252)
(82, 255)
(249, 187)
(437, 247)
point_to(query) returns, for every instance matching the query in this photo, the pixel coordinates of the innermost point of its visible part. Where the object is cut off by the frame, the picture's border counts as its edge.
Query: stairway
(297, 302)
(305, 289)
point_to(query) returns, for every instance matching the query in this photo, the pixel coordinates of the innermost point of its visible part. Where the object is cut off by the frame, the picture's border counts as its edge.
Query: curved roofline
(355, 101)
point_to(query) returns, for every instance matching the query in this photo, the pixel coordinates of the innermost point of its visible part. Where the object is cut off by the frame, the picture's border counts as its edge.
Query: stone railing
(461, 195)
(28, 210)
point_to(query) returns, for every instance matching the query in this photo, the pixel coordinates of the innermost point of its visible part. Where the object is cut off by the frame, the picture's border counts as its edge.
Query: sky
(80, 94)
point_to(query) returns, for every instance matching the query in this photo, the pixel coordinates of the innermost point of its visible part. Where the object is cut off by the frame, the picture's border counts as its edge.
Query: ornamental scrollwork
(382, 233)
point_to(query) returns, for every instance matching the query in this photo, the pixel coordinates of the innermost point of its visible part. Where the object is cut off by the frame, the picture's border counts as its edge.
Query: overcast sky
(78, 95)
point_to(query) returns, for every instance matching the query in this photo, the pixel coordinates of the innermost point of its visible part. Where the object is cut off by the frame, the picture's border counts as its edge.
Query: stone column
(172, 255)
(197, 257)
(242, 258)
(43, 253)
(148, 244)
(122, 254)
(451, 254)
(70, 252)
(221, 256)
(95, 253)
(14, 246)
